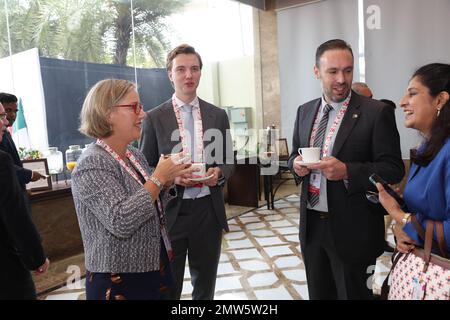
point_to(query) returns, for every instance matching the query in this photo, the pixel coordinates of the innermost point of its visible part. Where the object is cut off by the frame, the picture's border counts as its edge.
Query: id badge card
(314, 182)
(418, 290)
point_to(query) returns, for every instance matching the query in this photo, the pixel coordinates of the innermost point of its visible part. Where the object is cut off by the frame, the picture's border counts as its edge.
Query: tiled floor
(260, 259)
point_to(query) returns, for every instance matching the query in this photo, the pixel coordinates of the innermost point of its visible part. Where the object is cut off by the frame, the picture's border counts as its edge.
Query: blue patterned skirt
(152, 285)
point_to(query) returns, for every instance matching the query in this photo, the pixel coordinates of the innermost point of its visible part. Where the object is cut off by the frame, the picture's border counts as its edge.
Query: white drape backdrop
(300, 31)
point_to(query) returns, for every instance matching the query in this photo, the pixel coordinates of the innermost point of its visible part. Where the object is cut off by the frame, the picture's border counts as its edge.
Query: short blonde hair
(97, 106)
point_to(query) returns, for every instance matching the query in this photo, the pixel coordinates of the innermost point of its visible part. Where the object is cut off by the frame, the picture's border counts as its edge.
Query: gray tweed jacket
(117, 217)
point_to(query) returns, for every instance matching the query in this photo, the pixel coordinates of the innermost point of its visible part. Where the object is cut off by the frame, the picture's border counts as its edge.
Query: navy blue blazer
(427, 194)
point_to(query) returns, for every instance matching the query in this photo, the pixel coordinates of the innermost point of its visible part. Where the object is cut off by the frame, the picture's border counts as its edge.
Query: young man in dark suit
(20, 246)
(197, 216)
(341, 233)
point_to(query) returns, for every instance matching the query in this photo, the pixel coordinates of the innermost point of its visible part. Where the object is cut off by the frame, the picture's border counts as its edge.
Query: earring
(439, 112)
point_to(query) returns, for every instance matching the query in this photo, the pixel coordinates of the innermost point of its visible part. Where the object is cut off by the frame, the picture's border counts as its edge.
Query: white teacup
(199, 169)
(310, 155)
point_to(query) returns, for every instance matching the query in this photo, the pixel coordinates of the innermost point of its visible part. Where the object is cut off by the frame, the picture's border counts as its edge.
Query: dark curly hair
(436, 77)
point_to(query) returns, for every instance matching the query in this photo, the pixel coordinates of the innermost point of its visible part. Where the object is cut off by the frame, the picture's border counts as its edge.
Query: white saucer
(200, 179)
(302, 163)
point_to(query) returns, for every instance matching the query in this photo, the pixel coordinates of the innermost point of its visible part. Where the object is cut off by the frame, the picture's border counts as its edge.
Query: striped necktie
(318, 143)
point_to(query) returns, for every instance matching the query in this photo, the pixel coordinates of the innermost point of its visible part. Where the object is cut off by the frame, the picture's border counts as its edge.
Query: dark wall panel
(66, 84)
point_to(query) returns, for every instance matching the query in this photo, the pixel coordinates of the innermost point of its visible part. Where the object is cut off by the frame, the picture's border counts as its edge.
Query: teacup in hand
(179, 158)
(199, 169)
(310, 155)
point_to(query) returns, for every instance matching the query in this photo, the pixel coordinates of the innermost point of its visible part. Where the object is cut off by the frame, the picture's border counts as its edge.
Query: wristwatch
(156, 182)
(406, 218)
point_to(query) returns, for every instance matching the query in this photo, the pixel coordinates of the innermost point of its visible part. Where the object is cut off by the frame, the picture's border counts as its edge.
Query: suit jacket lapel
(351, 116)
(308, 116)
(208, 119)
(169, 121)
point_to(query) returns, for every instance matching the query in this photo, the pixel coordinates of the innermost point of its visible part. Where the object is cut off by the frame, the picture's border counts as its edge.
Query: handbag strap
(421, 232)
(440, 237)
(428, 244)
(418, 227)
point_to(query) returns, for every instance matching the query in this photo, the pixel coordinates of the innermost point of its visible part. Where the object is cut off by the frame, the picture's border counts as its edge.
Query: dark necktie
(318, 143)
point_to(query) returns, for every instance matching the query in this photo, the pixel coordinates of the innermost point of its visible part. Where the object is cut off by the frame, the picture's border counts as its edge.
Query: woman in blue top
(426, 105)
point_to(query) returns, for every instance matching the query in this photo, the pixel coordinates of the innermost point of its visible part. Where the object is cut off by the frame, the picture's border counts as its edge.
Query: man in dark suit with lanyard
(341, 233)
(197, 216)
(20, 245)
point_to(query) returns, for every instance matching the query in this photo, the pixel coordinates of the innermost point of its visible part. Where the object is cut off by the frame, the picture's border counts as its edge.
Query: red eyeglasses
(137, 106)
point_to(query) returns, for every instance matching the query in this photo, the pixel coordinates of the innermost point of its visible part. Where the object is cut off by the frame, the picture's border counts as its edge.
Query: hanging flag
(20, 130)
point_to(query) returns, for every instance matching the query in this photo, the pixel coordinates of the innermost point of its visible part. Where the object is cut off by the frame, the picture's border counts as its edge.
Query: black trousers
(197, 235)
(16, 282)
(330, 278)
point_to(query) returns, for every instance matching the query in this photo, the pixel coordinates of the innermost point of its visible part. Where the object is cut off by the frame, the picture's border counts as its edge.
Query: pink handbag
(420, 275)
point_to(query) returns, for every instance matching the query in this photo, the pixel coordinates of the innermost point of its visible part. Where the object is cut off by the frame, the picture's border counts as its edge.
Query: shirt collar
(194, 103)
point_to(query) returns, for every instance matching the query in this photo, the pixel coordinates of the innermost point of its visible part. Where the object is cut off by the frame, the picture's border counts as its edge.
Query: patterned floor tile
(225, 268)
(269, 241)
(234, 235)
(262, 279)
(254, 265)
(278, 250)
(287, 230)
(246, 254)
(234, 244)
(262, 233)
(253, 226)
(293, 238)
(228, 283)
(302, 291)
(246, 220)
(292, 261)
(295, 275)
(281, 223)
(224, 257)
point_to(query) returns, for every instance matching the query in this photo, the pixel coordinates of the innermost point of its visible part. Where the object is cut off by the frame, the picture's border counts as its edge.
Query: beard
(330, 95)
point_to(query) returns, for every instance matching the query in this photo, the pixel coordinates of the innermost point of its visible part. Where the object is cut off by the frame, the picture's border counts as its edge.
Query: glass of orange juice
(72, 155)
(71, 165)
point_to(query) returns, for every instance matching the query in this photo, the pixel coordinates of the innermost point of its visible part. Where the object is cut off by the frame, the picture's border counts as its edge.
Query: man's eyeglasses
(137, 106)
(3, 116)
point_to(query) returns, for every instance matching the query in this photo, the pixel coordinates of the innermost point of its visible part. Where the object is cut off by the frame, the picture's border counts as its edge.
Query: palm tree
(89, 30)
(148, 27)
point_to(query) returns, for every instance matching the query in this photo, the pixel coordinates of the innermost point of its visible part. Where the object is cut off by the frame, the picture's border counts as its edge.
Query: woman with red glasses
(120, 200)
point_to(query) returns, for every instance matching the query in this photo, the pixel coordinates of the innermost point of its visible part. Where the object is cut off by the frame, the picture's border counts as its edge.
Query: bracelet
(156, 182)
(406, 218)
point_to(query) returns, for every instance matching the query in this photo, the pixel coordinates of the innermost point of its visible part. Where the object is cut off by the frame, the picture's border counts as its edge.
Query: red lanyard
(130, 156)
(333, 129)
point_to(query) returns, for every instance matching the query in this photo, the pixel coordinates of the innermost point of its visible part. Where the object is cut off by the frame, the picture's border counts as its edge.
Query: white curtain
(411, 33)
(300, 31)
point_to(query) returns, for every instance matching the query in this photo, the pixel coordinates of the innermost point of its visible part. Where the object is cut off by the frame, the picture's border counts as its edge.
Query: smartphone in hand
(374, 178)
